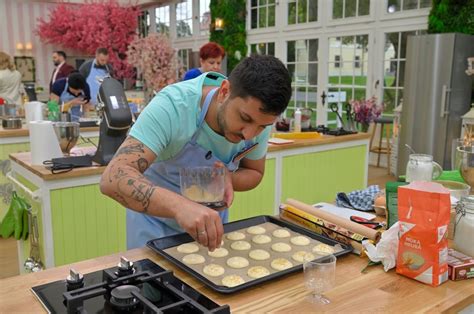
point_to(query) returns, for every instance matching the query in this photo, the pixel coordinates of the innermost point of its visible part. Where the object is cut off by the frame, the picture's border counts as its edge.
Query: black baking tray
(161, 244)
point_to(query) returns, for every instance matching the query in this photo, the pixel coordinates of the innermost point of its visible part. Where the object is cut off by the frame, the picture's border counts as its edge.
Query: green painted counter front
(317, 177)
(86, 224)
(260, 201)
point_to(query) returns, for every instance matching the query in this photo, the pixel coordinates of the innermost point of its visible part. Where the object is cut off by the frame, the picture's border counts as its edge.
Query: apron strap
(202, 115)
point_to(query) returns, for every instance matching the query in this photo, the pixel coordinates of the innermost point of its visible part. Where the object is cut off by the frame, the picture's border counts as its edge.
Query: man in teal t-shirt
(206, 121)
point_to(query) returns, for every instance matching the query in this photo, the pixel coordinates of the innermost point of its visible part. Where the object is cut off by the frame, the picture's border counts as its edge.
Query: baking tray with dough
(254, 250)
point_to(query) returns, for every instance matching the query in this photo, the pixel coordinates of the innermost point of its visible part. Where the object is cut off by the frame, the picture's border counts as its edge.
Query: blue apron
(67, 96)
(95, 77)
(142, 227)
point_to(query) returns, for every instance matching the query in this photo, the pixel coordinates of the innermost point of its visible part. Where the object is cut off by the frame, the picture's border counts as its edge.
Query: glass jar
(421, 167)
(464, 230)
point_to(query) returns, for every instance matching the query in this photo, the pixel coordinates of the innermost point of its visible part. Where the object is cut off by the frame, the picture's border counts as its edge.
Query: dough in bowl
(281, 264)
(258, 272)
(192, 259)
(234, 236)
(237, 262)
(301, 256)
(281, 233)
(240, 245)
(213, 270)
(261, 239)
(232, 280)
(281, 247)
(259, 255)
(188, 248)
(300, 240)
(256, 230)
(219, 252)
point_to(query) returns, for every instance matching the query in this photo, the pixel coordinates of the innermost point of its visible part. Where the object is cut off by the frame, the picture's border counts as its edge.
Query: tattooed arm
(123, 180)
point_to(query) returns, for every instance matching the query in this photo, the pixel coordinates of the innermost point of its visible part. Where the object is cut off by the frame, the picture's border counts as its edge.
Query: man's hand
(203, 224)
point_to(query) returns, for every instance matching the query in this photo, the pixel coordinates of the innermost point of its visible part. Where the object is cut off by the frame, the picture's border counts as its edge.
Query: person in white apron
(189, 124)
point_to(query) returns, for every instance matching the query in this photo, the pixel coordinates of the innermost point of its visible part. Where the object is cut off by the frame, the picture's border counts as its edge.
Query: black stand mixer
(116, 119)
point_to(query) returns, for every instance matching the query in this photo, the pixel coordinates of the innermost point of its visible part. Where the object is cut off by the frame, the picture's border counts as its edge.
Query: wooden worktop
(375, 291)
(25, 132)
(24, 159)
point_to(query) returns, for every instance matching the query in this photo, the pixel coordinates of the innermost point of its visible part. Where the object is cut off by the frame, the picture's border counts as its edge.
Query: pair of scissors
(335, 109)
(366, 222)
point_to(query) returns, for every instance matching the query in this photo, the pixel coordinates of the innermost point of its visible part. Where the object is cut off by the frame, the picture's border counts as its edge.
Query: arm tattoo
(141, 191)
(134, 148)
(142, 164)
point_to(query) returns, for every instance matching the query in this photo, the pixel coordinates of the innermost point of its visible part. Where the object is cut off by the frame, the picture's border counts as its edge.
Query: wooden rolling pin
(349, 225)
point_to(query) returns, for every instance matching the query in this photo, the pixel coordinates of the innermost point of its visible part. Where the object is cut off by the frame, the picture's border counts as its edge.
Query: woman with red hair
(210, 57)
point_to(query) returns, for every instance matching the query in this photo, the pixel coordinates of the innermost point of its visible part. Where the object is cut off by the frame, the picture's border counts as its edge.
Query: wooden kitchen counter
(375, 291)
(25, 132)
(24, 159)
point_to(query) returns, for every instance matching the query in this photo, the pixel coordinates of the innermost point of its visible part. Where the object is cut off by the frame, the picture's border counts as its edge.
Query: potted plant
(366, 111)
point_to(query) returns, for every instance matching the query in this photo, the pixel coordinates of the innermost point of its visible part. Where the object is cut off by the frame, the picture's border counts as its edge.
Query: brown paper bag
(423, 213)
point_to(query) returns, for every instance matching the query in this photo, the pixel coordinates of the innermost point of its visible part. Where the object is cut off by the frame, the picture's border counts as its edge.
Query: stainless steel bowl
(67, 134)
(11, 123)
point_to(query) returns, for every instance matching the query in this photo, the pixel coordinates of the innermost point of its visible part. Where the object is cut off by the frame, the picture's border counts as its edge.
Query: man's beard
(56, 63)
(222, 124)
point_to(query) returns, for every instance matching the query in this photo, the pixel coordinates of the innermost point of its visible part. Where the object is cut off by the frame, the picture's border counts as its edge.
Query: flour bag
(423, 213)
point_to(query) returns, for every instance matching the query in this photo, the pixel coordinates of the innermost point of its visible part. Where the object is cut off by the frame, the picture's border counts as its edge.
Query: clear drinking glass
(204, 185)
(457, 142)
(320, 276)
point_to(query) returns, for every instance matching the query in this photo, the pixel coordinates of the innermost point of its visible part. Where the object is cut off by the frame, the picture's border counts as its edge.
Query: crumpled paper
(386, 250)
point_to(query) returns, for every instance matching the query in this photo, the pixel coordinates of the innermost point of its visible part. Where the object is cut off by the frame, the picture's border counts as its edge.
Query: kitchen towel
(34, 111)
(43, 142)
(358, 199)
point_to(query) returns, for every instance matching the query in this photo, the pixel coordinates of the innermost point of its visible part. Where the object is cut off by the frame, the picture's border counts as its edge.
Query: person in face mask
(62, 69)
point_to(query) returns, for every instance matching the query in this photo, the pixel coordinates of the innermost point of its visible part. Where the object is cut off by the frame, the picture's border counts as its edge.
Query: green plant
(448, 16)
(233, 36)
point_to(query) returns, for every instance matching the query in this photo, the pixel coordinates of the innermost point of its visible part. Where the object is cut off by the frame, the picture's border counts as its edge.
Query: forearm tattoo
(133, 148)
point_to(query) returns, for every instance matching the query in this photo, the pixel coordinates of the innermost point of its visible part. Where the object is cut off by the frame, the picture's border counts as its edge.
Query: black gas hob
(140, 287)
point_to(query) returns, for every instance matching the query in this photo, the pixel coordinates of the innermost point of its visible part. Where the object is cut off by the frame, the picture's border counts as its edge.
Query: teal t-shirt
(171, 118)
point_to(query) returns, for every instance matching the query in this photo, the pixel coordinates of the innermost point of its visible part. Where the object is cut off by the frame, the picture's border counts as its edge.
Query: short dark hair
(265, 78)
(102, 51)
(76, 80)
(61, 53)
(211, 50)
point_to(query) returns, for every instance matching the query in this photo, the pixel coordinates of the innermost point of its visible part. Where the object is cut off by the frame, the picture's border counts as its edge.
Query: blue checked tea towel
(358, 199)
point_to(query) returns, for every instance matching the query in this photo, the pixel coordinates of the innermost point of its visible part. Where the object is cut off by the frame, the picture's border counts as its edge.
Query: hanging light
(219, 24)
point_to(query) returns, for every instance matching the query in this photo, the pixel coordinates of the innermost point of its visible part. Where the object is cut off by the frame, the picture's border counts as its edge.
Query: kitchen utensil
(33, 262)
(319, 277)
(366, 222)
(350, 118)
(466, 163)
(335, 109)
(161, 245)
(421, 167)
(204, 185)
(11, 123)
(67, 134)
(65, 117)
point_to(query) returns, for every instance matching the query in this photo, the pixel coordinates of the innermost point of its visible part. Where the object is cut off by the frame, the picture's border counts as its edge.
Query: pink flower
(365, 111)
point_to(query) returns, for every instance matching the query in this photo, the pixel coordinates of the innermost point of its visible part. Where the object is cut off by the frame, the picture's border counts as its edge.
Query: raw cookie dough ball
(300, 240)
(234, 236)
(302, 256)
(258, 272)
(237, 262)
(281, 233)
(240, 245)
(232, 280)
(259, 255)
(213, 270)
(261, 239)
(220, 252)
(192, 259)
(323, 249)
(281, 247)
(256, 230)
(281, 264)
(188, 248)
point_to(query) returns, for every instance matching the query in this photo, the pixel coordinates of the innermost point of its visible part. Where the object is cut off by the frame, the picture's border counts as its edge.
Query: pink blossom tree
(155, 58)
(91, 25)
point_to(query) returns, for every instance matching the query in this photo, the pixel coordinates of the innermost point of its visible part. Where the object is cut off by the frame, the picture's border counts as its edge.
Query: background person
(62, 69)
(210, 58)
(11, 87)
(72, 93)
